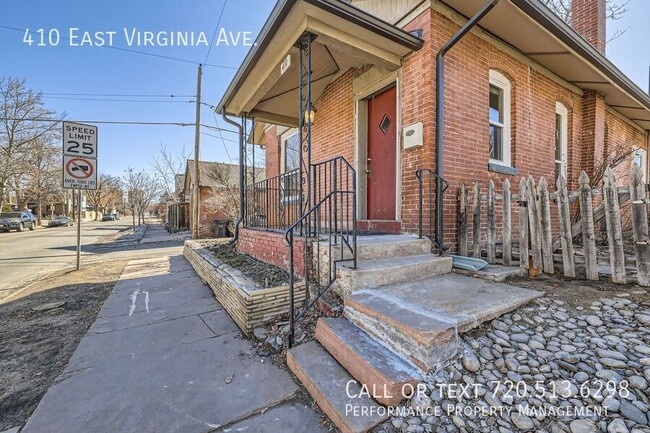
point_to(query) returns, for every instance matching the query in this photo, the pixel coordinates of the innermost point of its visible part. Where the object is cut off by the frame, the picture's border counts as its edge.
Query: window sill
(503, 169)
(289, 201)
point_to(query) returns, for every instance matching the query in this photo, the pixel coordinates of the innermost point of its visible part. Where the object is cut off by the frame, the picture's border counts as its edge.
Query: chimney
(588, 18)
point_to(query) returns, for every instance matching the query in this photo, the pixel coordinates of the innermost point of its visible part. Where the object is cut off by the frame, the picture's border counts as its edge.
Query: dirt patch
(575, 291)
(41, 327)
(264, 274)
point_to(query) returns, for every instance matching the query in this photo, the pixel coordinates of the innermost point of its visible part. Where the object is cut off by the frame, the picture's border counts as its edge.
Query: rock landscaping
(547, 367)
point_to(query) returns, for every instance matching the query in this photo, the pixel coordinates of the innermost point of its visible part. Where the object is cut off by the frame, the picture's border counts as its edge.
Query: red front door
(382, 155)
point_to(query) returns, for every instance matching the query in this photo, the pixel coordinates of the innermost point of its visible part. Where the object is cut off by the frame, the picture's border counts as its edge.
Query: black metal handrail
(420, 174)
(274, 203)
(332, 222)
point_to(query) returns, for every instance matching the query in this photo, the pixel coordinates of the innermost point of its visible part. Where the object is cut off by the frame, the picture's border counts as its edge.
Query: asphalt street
(26, 256)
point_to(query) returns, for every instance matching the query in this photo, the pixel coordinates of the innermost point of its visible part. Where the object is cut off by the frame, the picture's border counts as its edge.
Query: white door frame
(361, 97)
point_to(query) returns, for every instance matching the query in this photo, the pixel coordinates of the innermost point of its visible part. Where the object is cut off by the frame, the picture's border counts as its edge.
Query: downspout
(242, 183)
(440, 116)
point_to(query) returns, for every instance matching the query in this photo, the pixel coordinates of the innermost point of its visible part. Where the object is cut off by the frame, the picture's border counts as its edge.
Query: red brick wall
(271, 247)
(271, 142)
(533, 104)
(207, 214)
(621, 139)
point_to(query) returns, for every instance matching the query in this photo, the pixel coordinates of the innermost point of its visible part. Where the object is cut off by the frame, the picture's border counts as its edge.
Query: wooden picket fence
(538, 223)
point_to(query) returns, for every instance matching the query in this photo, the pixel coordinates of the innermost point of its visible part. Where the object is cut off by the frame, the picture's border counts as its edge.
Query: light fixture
(309, 116)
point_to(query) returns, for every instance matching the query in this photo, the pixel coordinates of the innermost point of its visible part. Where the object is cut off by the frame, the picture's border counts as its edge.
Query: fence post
(588, 236)
(568, 259)
(507, 224)
(491, 222)
(476, 220)
(462, 220)
(533, 224)
(545, 220)
(523, 224)
(640, 226)
(614, 231)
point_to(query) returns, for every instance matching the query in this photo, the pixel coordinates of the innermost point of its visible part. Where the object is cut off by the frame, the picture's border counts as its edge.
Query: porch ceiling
(344, 37)
(531, 28)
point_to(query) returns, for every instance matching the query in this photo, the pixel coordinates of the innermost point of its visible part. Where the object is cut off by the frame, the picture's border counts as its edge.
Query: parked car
(61, 221)
(17, 221)
(108, 217)
(117, 216)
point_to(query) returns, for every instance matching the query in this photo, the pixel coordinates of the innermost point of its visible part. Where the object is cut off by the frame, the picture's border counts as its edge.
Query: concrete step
(371, 274)
(420, 321)
(333, 389)
(421, 337)
(374, 247)
(384, 374)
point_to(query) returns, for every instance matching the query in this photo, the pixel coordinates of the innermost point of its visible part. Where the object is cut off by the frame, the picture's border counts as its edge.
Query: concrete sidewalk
(156, 232)
(163, 356)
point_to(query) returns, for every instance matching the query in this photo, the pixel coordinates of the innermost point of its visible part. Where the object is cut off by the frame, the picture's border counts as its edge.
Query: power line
(119, 95)
(111, 100)
(214, 114)
(115, 122)
(128, 50)
(216, 29)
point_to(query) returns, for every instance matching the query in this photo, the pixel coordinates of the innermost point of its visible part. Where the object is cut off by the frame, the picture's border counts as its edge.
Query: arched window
(500, 90)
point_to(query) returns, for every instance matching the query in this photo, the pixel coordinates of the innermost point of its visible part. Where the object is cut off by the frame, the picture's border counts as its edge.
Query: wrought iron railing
(426, 201)
(327, 230)
(274, 203)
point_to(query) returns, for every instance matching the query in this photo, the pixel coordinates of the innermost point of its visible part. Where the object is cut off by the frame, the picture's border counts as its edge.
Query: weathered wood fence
(545, 225)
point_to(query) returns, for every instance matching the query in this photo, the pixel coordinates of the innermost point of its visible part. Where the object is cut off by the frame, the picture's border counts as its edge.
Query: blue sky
(99, 70)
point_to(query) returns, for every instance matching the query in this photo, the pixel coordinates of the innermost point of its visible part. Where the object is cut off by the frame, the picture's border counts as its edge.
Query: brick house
(524, 94)
(216, 184)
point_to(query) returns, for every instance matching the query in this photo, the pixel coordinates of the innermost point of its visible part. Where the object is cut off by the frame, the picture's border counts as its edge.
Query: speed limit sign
(79, 140)
(79, 156)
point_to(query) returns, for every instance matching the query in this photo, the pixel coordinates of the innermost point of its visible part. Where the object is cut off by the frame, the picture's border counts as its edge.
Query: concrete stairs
(403, 312)
(383, 260)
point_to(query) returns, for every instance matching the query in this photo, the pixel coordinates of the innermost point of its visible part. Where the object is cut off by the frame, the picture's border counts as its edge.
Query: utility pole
(197, 136)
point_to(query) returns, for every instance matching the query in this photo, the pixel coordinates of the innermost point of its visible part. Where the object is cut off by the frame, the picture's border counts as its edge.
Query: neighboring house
(177, 215)
(525, 94)
(218, 197)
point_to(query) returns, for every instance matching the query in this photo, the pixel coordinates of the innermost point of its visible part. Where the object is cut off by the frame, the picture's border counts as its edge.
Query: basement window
(499, 115)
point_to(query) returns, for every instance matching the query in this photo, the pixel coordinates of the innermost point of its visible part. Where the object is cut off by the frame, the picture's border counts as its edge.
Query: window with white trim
(639, 157)
(499, 112)
(290, 150)
(290, 161)
(561, 139)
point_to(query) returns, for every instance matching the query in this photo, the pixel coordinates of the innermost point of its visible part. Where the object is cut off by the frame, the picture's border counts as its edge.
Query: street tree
(142, 190)
(167, 165)
(108, 194)
(42, 175)
(23, 120)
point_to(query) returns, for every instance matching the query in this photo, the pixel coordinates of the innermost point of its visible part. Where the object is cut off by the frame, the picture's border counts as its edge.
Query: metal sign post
(79, 165)
(79, 229)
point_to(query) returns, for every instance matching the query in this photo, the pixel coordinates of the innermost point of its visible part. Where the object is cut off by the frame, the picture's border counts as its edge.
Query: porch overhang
(265, 89)
(533, 30)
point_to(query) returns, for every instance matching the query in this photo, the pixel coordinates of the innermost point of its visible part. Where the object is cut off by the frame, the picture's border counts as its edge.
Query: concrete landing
(164, 356)
(420, 320)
